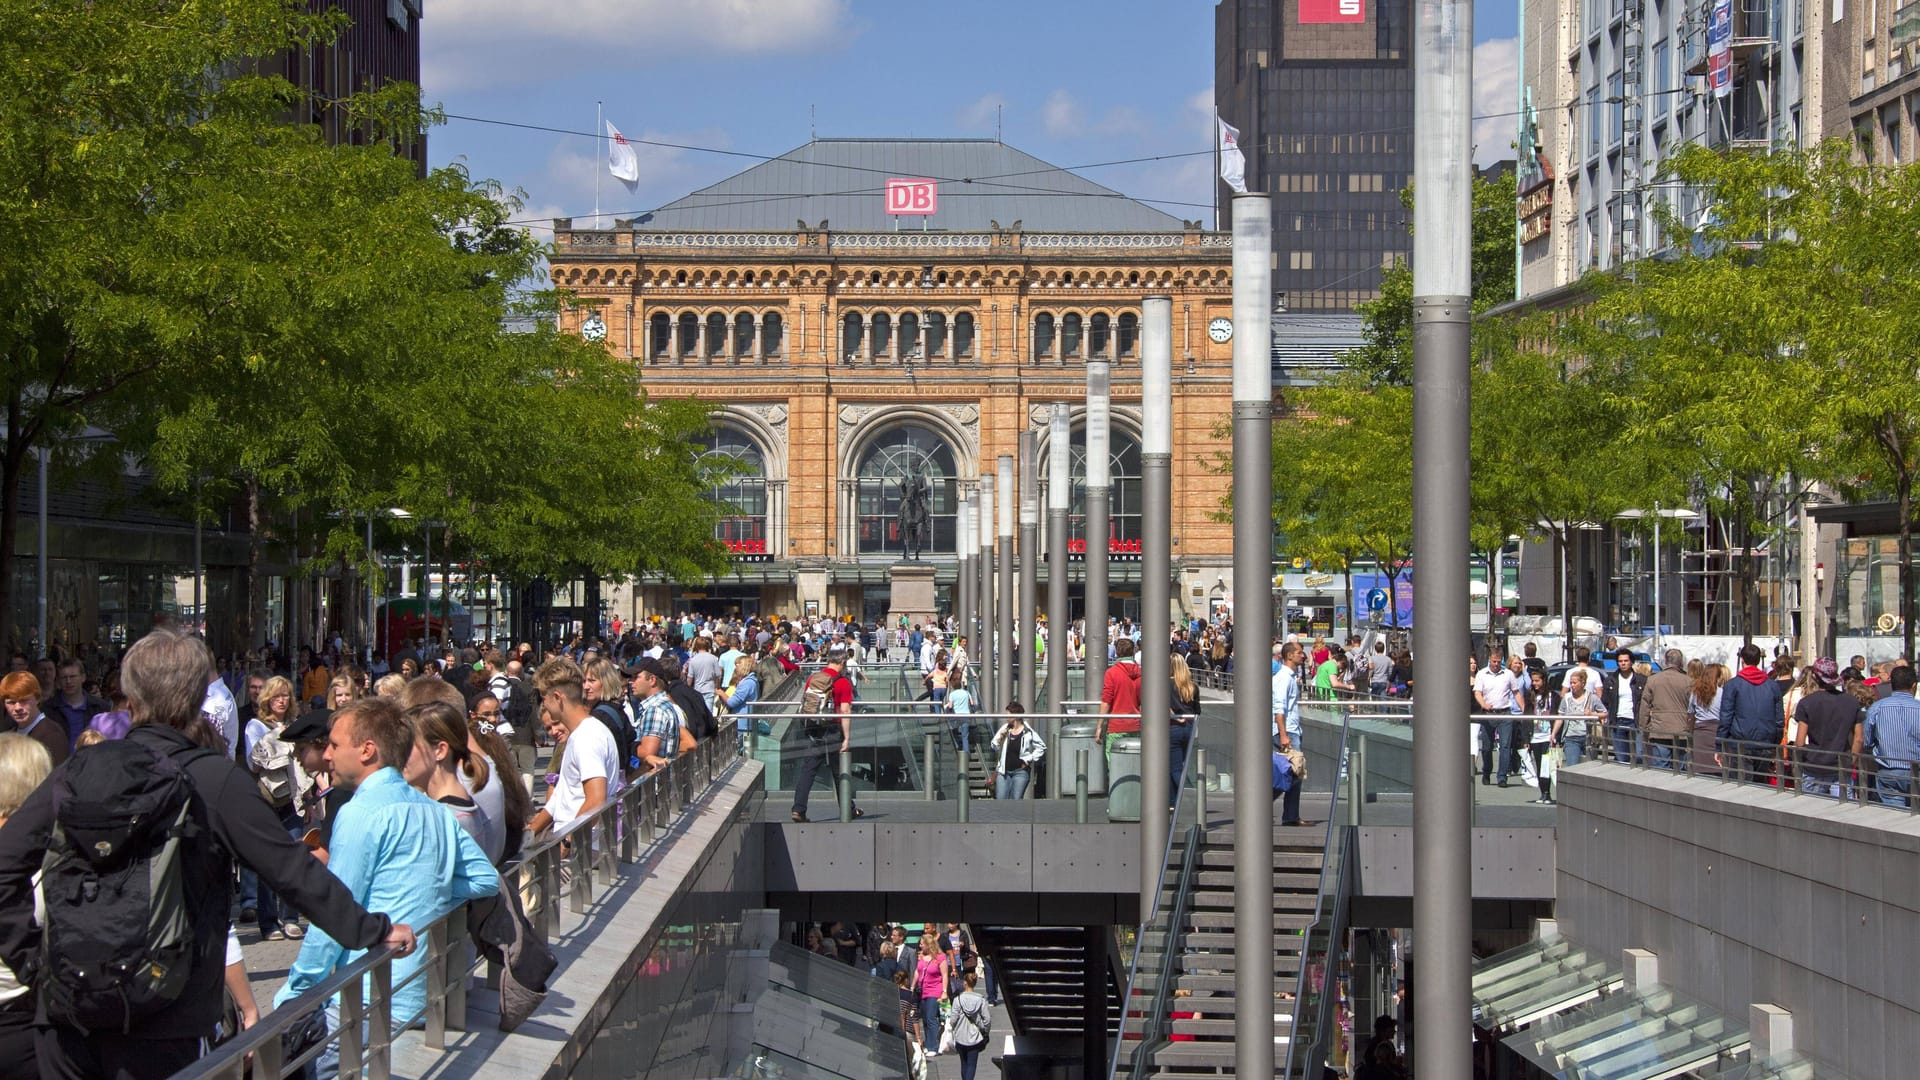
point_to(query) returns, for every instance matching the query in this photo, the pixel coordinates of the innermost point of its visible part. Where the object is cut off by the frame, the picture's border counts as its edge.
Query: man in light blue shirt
(393, 848)
(1892, 735)
(1286, 697)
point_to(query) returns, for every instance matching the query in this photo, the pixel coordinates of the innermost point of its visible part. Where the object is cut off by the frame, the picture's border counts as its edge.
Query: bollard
(927, 777)
(1080, 787)
(1200, 785)
(846, 785)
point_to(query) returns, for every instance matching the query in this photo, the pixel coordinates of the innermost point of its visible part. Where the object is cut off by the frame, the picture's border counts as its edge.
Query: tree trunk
(12, 466)
(1346, 563)
(1743, 524)
(446, 583)
(252, 610)
(1566, 595)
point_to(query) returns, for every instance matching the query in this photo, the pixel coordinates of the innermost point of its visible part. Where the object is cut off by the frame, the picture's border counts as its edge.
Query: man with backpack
(521, 724)
(141, 833)
(826, 727)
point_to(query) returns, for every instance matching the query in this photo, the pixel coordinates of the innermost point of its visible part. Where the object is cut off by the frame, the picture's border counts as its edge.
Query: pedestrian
(972, 1022)
(1751, 719)
(1578, 708)
(661, 720)
(1827, 722)
(1892, 734)
(1665, 719)
(1120, 696)
(282, 784)
(1017, 750)
(960, 705)
(154, 1031)
(21, 693)
(590, 759)
(1624, 692)
(930, 987)
(24, 764)
(826, 708)
(1543, 706)
(745, 691)
(444, 768)
(1703, 706)
(1493, 700)
(396, 847)
(1183, 716)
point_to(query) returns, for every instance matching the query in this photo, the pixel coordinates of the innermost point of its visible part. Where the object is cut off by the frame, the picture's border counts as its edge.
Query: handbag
(946, 1031)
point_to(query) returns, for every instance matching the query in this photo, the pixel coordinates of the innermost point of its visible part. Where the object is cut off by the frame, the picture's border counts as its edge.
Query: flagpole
(1216, 170)
(599, 129)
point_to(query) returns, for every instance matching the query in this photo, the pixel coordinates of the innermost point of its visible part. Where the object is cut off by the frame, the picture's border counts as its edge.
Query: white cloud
(983, 114)
(466, 44)
(1201, 104)
(1496, 96)
(1062, 116)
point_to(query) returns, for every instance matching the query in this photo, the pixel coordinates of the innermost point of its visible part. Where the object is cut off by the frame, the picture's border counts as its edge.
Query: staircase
(1203, 958)
(1040, 972)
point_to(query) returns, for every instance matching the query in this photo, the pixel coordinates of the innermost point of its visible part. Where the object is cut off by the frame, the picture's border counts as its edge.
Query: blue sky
(1074, 82)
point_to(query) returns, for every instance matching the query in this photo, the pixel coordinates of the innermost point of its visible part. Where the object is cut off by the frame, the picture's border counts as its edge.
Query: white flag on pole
(621, 160)
(1233, 164)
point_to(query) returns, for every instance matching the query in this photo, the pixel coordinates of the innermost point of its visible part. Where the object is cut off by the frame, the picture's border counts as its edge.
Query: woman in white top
(282, 783)
(441, 761)
(1578, 707)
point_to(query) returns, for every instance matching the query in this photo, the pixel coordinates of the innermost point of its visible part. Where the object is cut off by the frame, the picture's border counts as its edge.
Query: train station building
(844, 347)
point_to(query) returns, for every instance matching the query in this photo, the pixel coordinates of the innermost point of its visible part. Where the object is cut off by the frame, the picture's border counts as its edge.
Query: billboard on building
(1333, 11)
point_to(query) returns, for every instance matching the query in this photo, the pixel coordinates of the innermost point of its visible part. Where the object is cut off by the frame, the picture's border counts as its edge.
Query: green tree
(1386, 356)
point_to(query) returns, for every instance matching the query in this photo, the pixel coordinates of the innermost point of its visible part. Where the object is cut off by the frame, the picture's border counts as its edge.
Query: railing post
(966, 788)
(629, 823)
(846, 785)
(353, 1016)
(1356, 779)
(268, 1060)
(927, 778)
(579, 857)
(434, 975)
(1200, 784)
(1080, 787)
(380, 1023)
(457, 966)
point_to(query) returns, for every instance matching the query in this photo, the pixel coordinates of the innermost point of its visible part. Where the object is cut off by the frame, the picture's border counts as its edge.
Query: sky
(1076, 83)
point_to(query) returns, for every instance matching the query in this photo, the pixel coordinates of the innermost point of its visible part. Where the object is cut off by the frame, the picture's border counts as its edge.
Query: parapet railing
(570, 865)
(1800, 771)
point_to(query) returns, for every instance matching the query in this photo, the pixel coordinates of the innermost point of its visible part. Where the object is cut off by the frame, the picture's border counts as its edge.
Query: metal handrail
(1332, 856)
(1182, 884)
(632, 818)
(1759, 764)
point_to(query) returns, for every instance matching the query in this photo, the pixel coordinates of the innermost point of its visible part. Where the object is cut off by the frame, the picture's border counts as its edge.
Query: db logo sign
(1333, 11)
(916, 196)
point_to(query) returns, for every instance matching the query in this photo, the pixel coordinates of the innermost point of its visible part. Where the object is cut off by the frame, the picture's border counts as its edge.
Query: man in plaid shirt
(656, 719)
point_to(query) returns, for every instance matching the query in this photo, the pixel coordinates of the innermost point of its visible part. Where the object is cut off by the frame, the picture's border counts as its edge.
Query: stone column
(866, 337)
(759, 339)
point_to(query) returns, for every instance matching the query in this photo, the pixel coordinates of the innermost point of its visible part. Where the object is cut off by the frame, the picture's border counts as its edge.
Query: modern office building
(379, 45)
(1322, 93)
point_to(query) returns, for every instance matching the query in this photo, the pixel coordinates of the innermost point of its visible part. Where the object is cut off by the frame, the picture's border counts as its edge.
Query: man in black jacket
(1624, 692)
(165, 676)
(693, 706)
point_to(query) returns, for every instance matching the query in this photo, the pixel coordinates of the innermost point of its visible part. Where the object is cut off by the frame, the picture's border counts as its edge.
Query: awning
(1647, 1035)
(1520, 986)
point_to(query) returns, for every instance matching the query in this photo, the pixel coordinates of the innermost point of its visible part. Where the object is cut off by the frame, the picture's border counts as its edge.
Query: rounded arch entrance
(881, 463)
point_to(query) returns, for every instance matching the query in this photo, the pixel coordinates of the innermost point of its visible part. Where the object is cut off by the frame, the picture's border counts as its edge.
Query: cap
(654, 668)
(313, 724)
(1826, 671)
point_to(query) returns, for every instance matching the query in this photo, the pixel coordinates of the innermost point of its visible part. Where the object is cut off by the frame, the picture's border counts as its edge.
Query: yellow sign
(1313, 581)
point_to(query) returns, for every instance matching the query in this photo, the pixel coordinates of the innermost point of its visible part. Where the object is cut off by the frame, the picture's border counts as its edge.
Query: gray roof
(841, 181)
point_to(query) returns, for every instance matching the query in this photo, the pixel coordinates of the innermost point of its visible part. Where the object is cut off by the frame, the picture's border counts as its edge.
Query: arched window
(743, 495)
(1123, 503)
(899, 453)
(936, 334)
(910, 335)
(716, 334)
(1128, 337)
(1070, 337)
(1042, 335)
(659, 334)
(773, 331)
(743, 334)
(963, 336)
(852, 336)
(1099, 332)
(689, 334)
(882, 335)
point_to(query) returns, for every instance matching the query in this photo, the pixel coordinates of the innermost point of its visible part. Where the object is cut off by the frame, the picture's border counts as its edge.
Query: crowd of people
(946, 986)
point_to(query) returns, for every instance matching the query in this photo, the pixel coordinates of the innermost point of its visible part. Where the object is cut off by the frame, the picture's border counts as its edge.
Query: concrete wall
(1751, 895)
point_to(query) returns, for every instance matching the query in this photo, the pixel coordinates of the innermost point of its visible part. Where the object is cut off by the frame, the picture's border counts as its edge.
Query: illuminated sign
(912, 196)
(1535, 209)
(1332, 11)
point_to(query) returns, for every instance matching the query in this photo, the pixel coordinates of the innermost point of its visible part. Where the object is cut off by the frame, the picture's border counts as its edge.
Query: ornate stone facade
(834, 353)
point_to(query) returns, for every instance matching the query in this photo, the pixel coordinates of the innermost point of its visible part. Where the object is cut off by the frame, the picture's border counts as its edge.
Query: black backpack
(518, 710)
(117, 944)
(615, 720)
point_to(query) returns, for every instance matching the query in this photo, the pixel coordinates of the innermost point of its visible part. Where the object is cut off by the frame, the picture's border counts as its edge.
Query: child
(909, 1007)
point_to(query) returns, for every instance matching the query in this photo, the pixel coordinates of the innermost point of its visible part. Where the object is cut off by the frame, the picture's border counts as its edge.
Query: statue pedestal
(913, 594)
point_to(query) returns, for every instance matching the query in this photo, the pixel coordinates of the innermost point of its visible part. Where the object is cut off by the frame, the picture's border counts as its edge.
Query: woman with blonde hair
(282, 783)
(340, 690)
(1184, 714)
(24, 765)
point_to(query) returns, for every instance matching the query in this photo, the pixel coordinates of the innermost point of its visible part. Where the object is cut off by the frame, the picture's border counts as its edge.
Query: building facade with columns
(843, 349)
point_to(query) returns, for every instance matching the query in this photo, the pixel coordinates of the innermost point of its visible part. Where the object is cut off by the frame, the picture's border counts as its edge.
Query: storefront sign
(1536, 211)
(1332, 11)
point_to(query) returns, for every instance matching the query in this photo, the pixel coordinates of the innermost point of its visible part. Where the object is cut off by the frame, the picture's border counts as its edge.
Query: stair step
(1283, 859)
(1224, 920)
(1217, 939)
(1223, 879)
(1312, 838)
(1205, 899)
(1288, 963)
(1207, 1026)
(1223, 984)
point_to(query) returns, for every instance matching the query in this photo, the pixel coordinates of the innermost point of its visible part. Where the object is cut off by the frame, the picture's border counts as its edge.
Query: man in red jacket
(1120, 696)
